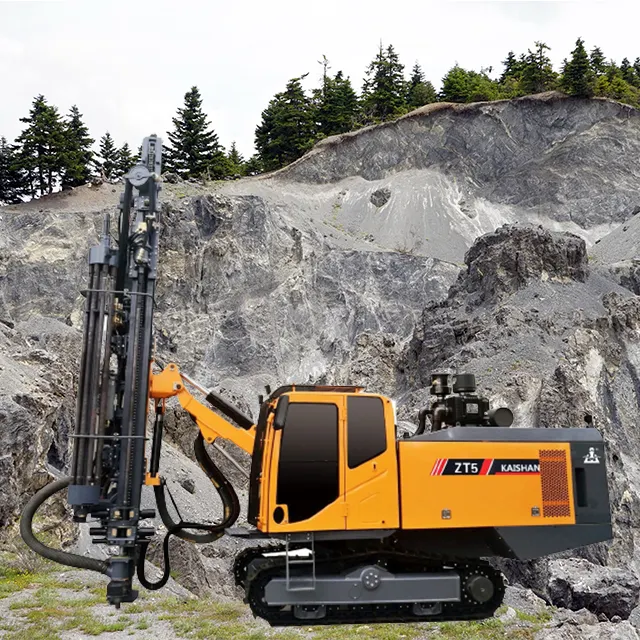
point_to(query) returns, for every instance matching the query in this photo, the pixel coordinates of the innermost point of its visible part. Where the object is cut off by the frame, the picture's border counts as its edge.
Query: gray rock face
(576, 583)
(538, 153)
(36, 407)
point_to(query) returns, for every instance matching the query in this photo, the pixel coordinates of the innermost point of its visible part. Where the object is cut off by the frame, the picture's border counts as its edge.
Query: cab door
(306, 478)
(371, 465)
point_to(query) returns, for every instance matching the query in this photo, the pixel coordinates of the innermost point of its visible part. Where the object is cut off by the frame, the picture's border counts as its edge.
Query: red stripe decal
(486, 466)
(435, 466)
(443, 464)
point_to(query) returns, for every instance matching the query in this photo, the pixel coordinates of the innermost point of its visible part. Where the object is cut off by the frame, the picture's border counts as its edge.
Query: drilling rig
(371, 527)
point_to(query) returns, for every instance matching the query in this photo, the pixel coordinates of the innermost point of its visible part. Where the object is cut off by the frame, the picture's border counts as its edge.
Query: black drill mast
(111, 414)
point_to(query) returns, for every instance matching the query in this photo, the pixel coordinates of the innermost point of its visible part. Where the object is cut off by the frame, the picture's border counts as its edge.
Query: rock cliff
(345, 267)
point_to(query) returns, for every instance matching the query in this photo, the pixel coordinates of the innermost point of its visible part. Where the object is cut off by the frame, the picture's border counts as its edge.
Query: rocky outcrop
(576, 584)
(502, 262)
(36, 407)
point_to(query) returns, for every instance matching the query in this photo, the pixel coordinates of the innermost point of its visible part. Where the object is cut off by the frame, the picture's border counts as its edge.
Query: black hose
(230, 503)
(422, 422)
(62, 557)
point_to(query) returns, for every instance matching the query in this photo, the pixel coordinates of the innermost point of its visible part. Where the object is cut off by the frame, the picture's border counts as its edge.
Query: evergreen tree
(510, 85)
(628, 72)
(126, 159)
(236, 161)
(107, 163)
(636, 67)
(383, 93)
(455, 85)
(195, 151)
(337, 107)
(512, 67)
(287, 128)
(253, 166)
(598, 61)
(11, 187)
(460, 85)
(577, 76)
(42, 147)
(538, 74)
(77, 154)
(420, 91)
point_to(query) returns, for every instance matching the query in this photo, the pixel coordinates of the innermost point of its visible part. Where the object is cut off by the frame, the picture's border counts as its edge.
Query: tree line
(57, 152)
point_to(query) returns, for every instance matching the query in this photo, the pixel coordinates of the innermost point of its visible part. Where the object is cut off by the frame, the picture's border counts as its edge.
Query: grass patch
(542, 617)
(206, 609)
(29, 633)
(202, 619)
(47, 612)
(369, 632)
(489, 629)
(199, 629)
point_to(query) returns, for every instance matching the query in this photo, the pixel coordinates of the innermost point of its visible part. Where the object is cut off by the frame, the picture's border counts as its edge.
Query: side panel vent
(555, 484)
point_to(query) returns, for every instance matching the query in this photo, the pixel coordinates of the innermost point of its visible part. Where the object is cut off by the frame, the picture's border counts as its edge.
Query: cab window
(308, 473)
(366, 434)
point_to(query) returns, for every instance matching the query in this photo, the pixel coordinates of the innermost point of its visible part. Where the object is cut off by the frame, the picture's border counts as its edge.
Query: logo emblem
(591, 457)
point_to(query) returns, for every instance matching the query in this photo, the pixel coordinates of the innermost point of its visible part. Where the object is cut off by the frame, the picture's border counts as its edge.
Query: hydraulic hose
(62, 557)
(230, 503)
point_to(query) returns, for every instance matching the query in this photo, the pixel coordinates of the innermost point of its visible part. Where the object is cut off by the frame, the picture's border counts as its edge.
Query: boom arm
(170, 382)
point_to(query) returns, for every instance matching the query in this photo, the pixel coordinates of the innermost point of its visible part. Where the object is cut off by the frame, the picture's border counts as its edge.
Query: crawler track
(254, 571)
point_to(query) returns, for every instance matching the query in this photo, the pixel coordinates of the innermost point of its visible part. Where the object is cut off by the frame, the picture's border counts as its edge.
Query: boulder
(610, 631)
(575, 583)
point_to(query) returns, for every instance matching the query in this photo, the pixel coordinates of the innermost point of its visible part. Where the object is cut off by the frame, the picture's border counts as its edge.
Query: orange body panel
(433, 501)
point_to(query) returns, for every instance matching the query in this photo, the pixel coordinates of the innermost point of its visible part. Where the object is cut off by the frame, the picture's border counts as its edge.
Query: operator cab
(315, 447)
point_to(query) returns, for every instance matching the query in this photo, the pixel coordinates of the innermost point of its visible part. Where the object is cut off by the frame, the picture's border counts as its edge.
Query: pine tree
(512, 67)
(337, 107)
(538, 74)
(460, 85)
(42, 147)
(236, 161)
(287, 128)
(126, 160)
(384, 90)
(107, 164)
(577, 76)
(195, 151)
(253, 166)
(598, 61)
(419, 91)
(456, 86)
(11, 182)
(77, 153)
(636, 67)
(628, 72)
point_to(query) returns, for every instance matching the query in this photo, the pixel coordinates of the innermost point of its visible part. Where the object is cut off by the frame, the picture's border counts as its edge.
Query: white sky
(127, 65)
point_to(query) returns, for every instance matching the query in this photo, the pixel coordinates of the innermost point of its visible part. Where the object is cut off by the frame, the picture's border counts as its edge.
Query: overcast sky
(127, 65)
